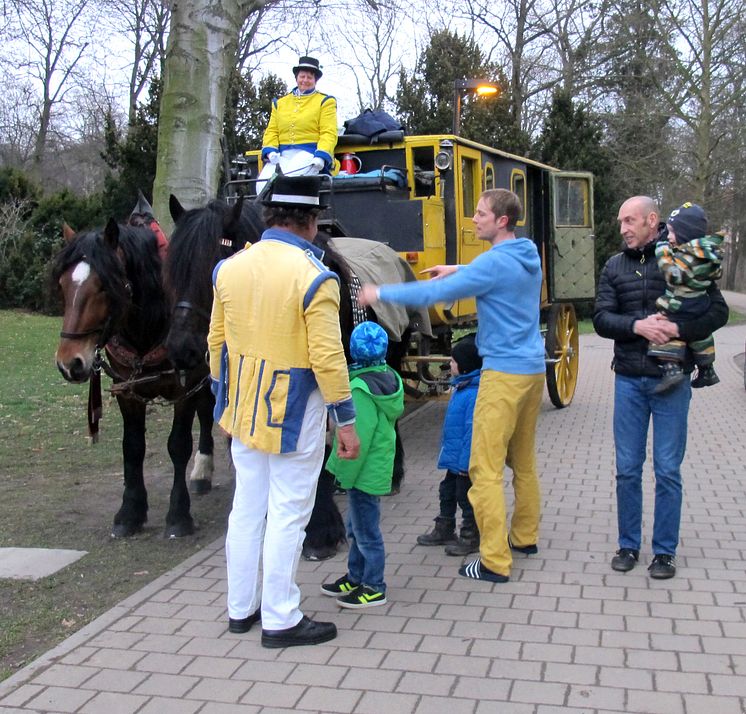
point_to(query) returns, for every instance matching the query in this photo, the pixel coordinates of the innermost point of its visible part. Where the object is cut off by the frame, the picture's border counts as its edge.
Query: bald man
(625, 312)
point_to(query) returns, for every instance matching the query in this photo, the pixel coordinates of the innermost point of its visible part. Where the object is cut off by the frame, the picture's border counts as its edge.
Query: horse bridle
(104, 330)
(188, 306)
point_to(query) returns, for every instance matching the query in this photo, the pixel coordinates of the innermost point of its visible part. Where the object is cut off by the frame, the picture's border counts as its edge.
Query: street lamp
(462, 87)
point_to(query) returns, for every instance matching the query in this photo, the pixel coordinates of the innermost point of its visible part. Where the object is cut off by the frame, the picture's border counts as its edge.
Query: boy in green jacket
(378, 395)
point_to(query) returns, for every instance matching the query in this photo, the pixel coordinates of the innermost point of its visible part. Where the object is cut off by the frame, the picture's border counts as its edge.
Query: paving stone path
(566, 634)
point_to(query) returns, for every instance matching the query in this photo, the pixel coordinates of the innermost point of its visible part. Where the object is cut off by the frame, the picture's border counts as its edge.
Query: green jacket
(378, 395)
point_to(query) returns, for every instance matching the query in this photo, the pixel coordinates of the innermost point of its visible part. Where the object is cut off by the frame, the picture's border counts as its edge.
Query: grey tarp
(377, 263)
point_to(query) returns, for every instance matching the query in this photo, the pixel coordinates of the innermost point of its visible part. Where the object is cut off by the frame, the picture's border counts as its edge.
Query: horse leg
(200, 478)
(325, 529)
(397, 352)
(398, 473)
(178, 519)
(134, 510)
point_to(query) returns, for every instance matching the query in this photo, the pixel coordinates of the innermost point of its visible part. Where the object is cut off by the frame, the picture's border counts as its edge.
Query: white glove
(318, 163)
(273, 157)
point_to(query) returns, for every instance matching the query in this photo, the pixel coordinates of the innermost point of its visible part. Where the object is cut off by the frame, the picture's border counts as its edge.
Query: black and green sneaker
(339, 587)
(362, 596)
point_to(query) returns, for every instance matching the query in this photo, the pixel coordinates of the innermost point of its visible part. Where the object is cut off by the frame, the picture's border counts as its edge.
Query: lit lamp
(462, 87)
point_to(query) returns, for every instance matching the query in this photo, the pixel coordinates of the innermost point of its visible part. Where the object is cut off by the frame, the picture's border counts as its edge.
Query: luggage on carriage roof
(371, 123)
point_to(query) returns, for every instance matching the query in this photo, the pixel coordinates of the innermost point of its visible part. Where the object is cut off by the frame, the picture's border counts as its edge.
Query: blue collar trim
(297, 92)
(293, 239)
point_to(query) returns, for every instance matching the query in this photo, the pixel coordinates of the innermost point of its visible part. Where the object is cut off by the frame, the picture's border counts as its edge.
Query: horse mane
(133, 284)
(150, 313)
(195, 247)
(333, 259)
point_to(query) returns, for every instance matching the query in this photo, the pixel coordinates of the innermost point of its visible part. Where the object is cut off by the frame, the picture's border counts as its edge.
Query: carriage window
(468, 171)
(571, 201)
(489, 177)
(423, 163)
(518, 187)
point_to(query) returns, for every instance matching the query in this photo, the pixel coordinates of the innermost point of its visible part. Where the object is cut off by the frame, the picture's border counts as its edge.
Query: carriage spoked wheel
(561, 346)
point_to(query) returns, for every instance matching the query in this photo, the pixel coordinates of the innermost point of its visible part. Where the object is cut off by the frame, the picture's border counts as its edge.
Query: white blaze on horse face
(80, 274)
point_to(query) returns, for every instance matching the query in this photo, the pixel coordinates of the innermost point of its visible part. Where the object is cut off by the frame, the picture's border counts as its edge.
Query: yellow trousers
(505, 416)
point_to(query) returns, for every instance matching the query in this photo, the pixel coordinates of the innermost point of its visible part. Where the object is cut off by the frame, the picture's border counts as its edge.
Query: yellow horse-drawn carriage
(417, 194)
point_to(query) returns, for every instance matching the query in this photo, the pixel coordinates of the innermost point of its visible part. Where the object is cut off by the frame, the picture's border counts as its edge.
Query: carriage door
(572, 248)
(469, 187)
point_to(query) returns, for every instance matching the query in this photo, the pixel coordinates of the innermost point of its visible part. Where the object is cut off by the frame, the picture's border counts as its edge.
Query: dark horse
(114, 300)
(197, 243)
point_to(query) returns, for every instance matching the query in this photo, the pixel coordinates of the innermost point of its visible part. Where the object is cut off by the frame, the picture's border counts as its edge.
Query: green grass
(60, 491)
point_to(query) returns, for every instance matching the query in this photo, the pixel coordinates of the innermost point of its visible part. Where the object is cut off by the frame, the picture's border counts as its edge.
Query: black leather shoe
(241, 626)
(662, 567)
(625, 559)
(306, 632)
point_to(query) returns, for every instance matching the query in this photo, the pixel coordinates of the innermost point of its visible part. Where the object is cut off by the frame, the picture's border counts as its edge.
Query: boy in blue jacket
(378, 396)
(455, 446)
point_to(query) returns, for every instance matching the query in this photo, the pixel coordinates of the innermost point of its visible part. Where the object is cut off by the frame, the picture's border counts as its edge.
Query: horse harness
(358, 311)
(123, 354)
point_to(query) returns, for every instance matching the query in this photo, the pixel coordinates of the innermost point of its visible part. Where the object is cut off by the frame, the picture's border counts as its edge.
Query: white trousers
(272, 504)
(293, 162)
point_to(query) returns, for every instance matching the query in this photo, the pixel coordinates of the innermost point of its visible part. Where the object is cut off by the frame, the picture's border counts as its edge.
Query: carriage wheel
(561, 345)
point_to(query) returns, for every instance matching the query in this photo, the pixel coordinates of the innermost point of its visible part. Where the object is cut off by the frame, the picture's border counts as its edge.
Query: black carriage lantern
(462, 87)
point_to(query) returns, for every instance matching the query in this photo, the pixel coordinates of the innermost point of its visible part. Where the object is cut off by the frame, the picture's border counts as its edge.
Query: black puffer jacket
(628, 287)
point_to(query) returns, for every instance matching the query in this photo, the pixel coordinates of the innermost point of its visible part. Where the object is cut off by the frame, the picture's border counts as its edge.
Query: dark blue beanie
(466, 355)
(689, 221)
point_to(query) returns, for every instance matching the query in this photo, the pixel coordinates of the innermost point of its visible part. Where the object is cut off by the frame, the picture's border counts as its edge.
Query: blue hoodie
(506, 281)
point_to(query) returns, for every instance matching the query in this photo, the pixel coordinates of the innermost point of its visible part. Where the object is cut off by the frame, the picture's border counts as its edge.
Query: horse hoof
(199, 487)
(124, 530)
(324, 552)
(179, 530)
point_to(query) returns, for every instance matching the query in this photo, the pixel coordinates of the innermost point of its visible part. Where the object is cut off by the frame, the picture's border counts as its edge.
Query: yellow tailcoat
(303, 121)
(276, 309)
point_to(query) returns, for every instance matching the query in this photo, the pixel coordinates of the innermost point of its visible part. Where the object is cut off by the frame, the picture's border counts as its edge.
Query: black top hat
(294, 192)
(309, 63)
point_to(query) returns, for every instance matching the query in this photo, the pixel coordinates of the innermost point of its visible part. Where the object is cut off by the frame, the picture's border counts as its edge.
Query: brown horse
(116, 317)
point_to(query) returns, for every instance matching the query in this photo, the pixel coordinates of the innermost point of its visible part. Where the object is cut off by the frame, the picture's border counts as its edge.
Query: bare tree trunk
(200, 55)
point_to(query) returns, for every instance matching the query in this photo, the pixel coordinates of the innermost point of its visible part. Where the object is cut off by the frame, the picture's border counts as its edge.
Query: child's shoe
(442, 533)
(361, 597)
(340, 586)
(467, 543)
(706, 377)
(673, 376)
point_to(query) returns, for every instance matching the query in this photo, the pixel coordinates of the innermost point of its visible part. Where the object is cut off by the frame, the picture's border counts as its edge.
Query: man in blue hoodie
(506, 281)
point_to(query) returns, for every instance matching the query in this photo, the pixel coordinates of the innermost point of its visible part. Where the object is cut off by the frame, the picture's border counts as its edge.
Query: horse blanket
(377, 263)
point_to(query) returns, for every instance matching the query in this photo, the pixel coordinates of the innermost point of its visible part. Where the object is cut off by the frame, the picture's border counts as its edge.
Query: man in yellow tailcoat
(279, 368)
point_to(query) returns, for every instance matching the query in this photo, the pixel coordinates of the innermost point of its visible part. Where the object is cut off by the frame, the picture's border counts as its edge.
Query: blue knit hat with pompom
(368, 344)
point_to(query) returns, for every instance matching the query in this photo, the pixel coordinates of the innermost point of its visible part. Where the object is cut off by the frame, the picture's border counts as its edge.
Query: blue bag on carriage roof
(371, 123)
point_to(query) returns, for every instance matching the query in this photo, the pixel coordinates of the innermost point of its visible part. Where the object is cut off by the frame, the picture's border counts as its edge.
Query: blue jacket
(455, 441)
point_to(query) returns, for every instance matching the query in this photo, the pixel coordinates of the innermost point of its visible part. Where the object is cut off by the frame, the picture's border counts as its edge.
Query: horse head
(200, 239)
(90, 275)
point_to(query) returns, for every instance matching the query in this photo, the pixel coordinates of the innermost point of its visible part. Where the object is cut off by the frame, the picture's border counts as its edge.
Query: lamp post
(462, 87)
